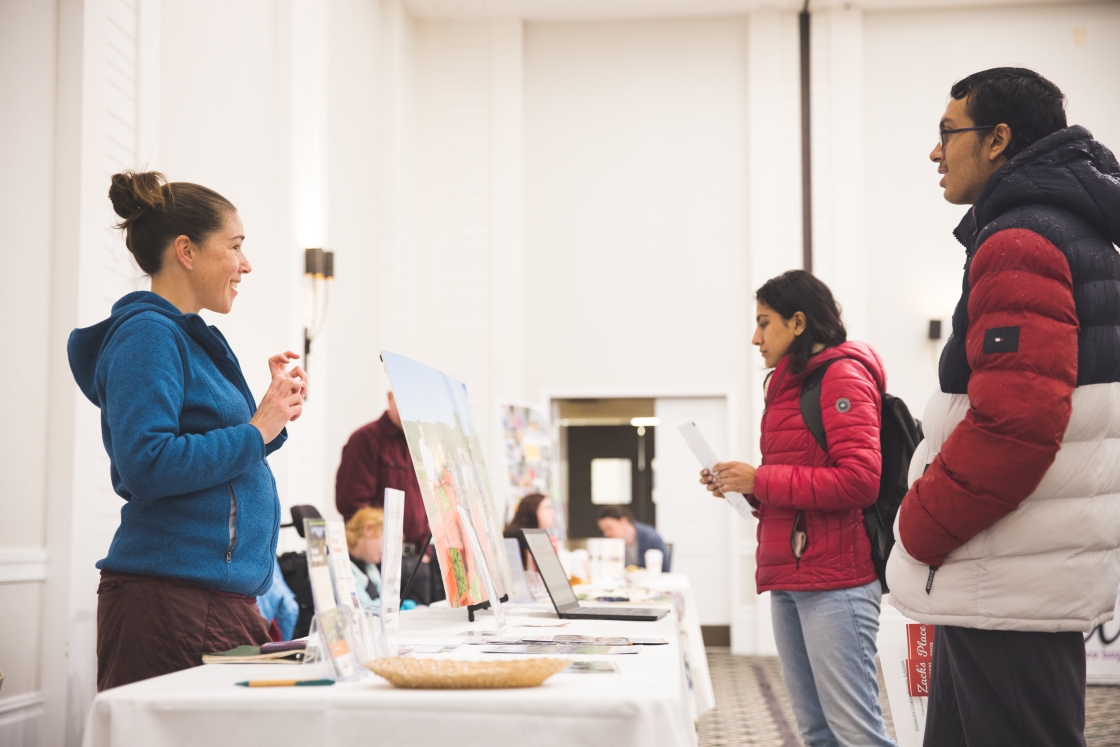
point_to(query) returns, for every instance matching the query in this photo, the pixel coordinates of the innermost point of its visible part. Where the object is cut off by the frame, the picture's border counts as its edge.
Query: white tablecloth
(691, 637)
(645, 705)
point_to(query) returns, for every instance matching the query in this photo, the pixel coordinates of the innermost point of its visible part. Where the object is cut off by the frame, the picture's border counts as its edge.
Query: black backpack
(293, 565)
(899, 436)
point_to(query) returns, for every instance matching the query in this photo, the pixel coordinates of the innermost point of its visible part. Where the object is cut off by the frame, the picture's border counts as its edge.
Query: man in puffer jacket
(1008, 538)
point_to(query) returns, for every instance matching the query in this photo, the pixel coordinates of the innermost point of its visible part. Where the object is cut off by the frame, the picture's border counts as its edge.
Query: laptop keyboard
(618, 611)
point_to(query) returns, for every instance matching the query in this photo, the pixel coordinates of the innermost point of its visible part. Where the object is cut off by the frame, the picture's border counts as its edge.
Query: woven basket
(452, 674)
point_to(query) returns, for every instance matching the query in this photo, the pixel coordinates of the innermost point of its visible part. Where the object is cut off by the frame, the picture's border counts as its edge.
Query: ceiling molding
(586, 10)
(590, 10)
(904, 5)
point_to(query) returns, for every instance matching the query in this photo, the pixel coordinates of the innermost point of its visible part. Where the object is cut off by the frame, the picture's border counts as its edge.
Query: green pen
(285, 683)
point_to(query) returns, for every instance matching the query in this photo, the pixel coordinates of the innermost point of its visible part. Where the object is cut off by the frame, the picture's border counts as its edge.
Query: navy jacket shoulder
(1066, 188)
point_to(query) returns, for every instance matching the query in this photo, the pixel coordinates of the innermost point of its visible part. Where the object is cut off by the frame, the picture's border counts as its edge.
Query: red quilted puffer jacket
(828, 489)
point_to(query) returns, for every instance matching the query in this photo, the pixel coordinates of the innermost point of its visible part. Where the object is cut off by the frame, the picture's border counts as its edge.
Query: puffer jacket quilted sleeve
(851, 410)
(1022, 338)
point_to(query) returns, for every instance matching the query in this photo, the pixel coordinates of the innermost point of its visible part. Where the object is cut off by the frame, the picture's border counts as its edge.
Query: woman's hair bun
(135, 192)
(154, 212)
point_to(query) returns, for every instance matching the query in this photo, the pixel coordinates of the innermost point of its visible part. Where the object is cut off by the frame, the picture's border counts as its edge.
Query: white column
(774, 184)
(839, 202)
(302, 104)
(507, 302)
(105, 119)
(398, 250)
(357, 101)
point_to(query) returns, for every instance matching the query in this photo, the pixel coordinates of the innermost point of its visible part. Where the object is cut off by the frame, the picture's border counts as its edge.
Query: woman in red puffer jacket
(813, 551)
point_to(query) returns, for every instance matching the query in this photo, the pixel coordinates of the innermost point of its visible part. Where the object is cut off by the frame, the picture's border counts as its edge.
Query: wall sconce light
(934, 329)
(318, 265)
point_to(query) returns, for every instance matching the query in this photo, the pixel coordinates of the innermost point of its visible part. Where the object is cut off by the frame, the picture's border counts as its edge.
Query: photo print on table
(447, 456)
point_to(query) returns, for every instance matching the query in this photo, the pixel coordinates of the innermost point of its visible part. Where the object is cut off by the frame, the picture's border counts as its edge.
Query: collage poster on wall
(527, 446)
(447, 456)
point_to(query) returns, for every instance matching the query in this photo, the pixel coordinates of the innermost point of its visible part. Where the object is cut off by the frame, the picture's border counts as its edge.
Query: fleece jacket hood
(86, 345)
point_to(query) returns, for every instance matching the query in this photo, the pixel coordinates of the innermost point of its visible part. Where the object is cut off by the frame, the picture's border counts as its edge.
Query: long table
(647, 704)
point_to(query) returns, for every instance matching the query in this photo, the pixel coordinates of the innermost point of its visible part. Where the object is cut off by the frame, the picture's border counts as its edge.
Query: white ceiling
(556, 10)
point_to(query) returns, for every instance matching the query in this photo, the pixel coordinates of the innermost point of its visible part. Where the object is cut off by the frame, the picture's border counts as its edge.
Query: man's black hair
(1029, 104)
(617, 512)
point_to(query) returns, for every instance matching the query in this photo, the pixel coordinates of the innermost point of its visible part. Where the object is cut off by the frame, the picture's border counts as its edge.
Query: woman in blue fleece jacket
(187, 443)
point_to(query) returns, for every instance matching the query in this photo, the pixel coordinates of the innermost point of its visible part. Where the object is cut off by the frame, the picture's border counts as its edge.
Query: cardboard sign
(919, 640)
(917, 677)
(905, 648)
(919, 659)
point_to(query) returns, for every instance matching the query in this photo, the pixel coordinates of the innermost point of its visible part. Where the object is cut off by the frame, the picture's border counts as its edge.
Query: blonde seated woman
(364, 537)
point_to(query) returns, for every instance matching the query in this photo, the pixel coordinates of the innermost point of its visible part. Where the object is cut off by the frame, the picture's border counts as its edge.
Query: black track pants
(991, 688)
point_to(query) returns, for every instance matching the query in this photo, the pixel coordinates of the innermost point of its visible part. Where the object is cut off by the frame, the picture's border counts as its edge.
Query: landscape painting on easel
(447, 456)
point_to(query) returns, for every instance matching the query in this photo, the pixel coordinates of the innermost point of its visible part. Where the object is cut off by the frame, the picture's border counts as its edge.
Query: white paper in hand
(695, 440)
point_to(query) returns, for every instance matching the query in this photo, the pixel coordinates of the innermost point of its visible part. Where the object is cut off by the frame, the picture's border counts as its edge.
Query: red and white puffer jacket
(830, 489)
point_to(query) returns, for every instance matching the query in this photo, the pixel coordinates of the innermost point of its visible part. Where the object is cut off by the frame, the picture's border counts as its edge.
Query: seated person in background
(535, 511)
(364, 536)
(616, 522)
(278, 606)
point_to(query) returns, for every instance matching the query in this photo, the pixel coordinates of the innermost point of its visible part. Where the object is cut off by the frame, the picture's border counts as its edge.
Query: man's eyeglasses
(962, 129)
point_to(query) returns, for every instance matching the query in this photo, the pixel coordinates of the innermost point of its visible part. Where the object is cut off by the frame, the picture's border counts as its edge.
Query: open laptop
(560, 590)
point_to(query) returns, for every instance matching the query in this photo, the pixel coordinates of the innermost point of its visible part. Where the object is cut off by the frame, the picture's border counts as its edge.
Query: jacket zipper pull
(929, 581)
(229, 559)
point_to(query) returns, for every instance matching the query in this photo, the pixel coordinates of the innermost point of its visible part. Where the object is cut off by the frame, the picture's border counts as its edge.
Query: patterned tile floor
(752, 707)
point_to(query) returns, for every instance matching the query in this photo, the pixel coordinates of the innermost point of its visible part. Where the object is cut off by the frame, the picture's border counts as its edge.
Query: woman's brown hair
(154, 212)
(526, 515)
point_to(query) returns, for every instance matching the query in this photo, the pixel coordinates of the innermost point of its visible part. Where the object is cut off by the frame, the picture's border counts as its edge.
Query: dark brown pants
(1006, 688)
(149, 625)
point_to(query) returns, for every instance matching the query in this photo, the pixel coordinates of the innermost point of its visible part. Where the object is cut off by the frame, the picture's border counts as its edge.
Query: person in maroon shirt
(376, 457)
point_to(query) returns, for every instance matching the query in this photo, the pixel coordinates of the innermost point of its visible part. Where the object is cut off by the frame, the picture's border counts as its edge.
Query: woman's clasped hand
(728, 477)
(283, 402)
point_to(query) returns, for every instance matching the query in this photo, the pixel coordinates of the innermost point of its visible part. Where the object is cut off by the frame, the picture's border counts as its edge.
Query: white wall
(700, 527)
(636, 202)
(28, 31)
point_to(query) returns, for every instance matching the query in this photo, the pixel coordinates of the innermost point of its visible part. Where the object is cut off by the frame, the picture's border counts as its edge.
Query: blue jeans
(826, 640)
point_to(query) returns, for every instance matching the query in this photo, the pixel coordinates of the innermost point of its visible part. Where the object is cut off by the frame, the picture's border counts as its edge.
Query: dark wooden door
(588, 442)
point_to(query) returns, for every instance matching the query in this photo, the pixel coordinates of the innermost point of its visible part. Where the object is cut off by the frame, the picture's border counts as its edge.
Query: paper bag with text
(906, 656)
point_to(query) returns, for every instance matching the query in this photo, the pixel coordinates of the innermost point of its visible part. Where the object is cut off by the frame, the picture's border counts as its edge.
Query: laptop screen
(552, 573)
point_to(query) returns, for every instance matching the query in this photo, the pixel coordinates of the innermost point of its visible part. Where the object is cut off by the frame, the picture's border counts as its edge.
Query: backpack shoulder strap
(811, 403)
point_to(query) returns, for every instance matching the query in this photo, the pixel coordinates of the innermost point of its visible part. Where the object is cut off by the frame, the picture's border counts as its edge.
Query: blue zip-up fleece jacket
(201, 501)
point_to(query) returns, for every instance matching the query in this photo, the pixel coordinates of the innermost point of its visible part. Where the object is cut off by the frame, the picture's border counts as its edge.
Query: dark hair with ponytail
(154, 212)
(798, 290)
